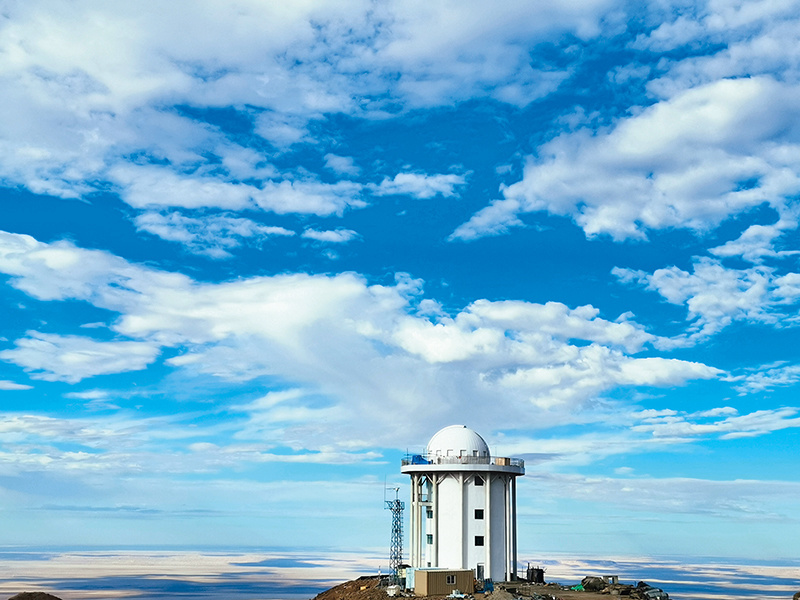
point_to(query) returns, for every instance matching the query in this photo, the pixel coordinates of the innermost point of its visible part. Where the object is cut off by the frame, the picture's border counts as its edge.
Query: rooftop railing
(419, 459)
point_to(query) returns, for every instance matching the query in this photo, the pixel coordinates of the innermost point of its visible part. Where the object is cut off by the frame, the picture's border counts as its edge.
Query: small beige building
(441, 582)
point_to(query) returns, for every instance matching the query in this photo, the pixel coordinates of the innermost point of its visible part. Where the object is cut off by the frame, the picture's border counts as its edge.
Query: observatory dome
(457, 440)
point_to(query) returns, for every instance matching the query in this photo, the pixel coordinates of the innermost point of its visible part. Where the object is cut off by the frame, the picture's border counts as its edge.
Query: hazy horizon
(299, 575)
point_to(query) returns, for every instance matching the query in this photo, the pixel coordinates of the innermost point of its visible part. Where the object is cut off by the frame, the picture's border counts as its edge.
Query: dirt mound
(364, 588)
(34, 596)
(499, 595)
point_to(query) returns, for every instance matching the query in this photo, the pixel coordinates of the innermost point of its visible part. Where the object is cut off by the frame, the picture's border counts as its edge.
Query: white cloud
(147, 187)
(337, 236)
(72, 115)
(7, 385)
(716, 296)
(98, 400)
(689, 161)
(211, 235)
(420, 185)
(123, 443)
(768, 378)
(154, 187)
(495, 219)
(310, 197)
(341, 338)
(682, 426)
(671, 35)
(72, 358)
(612, 431)
(757, 242)
(739, 499)
(59, 270)
(449, 51)
(343, 165)
(282, 130)
(753, 38)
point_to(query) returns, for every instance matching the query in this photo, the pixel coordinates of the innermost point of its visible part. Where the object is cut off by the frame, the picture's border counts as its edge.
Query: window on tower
(479, 513)
(429, 513)
(479, 540)
(478, 480)
(430, 538)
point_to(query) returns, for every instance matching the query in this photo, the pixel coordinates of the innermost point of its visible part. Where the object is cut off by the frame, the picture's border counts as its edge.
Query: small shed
(440, 582)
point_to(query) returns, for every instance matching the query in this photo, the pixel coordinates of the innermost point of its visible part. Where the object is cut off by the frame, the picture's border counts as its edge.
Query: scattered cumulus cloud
(210, 235)
(309, 197)
(757, 243)
(72, 117)
(149, 187)
(723, 423)
(496, 219)
(715, 296)
(768, 378)
(72, 358)
(420, 185)
(344, 165)
(336, 236)
(7, 385)
(334, 334)
(739, 499)
(690, 161)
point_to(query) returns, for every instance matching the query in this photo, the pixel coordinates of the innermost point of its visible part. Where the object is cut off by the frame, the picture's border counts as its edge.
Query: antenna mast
(396, 545)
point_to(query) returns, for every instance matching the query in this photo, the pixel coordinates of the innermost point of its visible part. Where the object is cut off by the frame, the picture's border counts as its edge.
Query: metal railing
(502, 461)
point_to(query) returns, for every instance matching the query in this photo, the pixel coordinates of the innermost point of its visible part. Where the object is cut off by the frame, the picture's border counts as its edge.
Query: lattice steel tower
(396, 545)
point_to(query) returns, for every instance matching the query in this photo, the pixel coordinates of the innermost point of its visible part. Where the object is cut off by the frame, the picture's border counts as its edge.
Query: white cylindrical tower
(464, 505)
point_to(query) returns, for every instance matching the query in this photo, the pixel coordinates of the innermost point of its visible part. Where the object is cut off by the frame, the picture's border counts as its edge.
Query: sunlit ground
(295, 575)
(188, 574)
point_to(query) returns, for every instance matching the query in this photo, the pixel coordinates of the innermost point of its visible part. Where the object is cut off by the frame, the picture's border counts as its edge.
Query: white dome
(457, 440)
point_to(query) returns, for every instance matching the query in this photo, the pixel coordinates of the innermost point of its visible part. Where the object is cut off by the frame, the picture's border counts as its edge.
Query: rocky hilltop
(591, 588)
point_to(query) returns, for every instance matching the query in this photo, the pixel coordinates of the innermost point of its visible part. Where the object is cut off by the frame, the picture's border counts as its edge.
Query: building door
(479, 572)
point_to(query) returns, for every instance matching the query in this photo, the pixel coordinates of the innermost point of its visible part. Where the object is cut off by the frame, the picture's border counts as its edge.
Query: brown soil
(367, 588)
(363, 588)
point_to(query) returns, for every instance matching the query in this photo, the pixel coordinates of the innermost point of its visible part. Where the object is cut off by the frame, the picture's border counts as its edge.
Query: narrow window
(478, 480)
(429, 513)
(430, 538)
(451, 580)
(479, 513)
(479, 540)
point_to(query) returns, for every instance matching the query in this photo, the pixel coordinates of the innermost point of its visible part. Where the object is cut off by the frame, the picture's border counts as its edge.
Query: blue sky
(252, 252)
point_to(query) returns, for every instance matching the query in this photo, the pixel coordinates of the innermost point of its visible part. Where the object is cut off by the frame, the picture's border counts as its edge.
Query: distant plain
(286, 574)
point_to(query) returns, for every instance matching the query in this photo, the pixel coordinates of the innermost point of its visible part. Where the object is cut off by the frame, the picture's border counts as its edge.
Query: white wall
(456, 500)
(498, 530)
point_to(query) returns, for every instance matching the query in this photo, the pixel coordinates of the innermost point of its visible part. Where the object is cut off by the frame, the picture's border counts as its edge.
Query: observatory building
(463, 506)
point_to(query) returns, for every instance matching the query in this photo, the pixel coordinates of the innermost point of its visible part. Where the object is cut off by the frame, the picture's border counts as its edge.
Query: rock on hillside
(363, 588)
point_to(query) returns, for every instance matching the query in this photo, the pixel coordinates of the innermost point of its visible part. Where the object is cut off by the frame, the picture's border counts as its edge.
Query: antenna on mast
(396, 544)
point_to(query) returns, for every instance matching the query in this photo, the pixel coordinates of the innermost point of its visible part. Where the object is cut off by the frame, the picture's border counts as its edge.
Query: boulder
(796, 596)
(644, 591)
(34, 596)
(593, 584)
